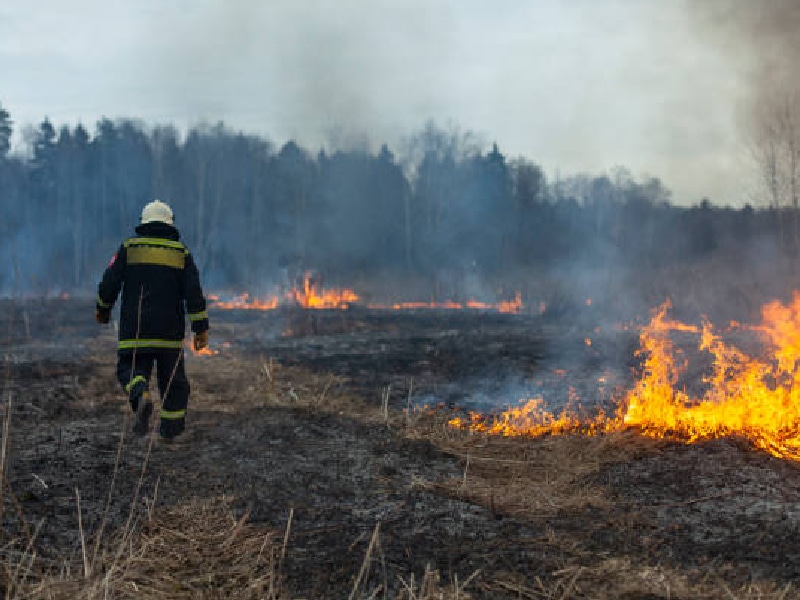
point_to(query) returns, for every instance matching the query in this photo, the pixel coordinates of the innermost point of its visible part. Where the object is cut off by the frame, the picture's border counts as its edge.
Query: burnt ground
(289, 432)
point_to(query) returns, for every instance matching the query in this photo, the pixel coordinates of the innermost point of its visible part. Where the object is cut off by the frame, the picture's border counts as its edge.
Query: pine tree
(5, 132)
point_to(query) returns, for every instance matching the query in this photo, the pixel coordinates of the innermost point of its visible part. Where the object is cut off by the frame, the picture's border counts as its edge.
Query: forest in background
(247, 208)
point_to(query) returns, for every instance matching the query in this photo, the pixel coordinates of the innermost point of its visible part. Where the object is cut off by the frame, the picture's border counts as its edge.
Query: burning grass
(754, 398)
(309, 293)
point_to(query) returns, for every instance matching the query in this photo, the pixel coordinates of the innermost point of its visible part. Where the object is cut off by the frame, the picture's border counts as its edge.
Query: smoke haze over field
(578, 86)
(760, 41)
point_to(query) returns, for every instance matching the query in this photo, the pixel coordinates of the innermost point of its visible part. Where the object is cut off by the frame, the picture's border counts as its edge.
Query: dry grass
(524, 477)
(193, 551)
(199, 551)
(621, 578)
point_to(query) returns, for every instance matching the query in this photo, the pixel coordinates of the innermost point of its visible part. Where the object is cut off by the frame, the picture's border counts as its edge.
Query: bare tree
(775, 148)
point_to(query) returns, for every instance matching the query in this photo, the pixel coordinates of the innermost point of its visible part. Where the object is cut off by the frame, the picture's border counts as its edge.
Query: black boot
(171, 428)
(142, 407)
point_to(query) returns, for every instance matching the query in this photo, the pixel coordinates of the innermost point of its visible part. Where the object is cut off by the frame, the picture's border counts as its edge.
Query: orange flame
(309, 294)
(313, 296)
(244, 302)
(533, 420)
(757, 399)
(514, 306)
(207, 351)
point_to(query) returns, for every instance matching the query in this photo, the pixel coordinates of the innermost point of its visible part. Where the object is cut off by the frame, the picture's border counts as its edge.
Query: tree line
(247, 208)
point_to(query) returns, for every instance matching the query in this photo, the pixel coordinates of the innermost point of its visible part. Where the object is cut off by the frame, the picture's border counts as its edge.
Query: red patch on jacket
(113, 260)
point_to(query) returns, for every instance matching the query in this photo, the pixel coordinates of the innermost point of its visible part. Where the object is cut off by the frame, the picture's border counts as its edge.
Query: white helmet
(157, 211)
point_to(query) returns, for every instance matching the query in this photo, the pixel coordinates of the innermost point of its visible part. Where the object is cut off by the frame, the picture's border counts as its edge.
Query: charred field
(318, 463)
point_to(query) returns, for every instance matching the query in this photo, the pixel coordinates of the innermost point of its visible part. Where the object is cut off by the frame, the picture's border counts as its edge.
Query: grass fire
(309, 293)
(756, 398)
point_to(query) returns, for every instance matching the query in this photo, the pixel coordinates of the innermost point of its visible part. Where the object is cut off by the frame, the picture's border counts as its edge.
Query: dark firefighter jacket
(160, 285)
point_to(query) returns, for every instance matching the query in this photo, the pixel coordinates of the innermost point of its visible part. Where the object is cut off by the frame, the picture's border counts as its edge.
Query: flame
(309, 293)
(244, 302)
(207, 351)
(514, 306)
(505, 306)
(532, 419)
(754, 398)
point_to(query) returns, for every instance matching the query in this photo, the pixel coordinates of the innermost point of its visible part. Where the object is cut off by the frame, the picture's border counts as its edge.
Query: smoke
(318, 72)
(761, 42)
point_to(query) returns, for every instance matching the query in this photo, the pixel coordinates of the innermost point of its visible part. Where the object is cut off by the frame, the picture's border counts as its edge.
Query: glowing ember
(245, 302)
(757, 399)
(514, 306)
(207, 351)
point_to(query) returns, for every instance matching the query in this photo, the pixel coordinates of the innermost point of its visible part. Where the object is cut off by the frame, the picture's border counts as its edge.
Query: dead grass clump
(623, 578)
(431, 587)
(194, 551)
(536, 477)
(264, 382)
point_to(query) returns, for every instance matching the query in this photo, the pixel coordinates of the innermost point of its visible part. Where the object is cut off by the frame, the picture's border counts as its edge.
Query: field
(319, 463)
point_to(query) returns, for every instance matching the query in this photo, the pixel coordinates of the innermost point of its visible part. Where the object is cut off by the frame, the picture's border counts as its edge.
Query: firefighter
(160, 286)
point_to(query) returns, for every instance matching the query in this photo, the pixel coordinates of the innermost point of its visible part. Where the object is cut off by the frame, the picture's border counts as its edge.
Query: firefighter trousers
(173, 385)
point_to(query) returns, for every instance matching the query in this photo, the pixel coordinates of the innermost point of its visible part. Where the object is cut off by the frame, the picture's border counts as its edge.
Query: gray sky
(578, 85)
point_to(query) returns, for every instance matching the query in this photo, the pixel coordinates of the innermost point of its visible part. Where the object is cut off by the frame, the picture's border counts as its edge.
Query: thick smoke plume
(762, 42)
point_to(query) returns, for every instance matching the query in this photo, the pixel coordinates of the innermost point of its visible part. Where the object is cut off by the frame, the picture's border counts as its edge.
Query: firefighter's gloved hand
(102, 316)
(201, 340)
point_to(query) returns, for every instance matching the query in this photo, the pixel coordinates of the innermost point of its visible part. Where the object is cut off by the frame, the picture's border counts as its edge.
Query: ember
(757, 399)
(205, 352)
(244, 302)
(202, 352)
(514, 306)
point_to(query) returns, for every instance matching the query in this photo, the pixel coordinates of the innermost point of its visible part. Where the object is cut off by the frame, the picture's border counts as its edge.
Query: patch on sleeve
(113, 260)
